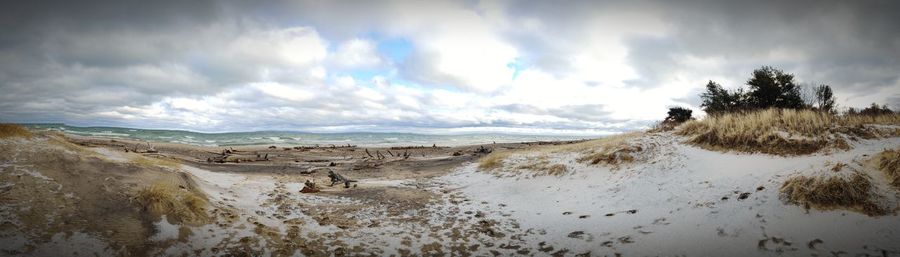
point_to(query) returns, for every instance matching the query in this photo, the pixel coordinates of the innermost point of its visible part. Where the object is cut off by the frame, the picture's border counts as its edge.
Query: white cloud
(591, 66)
(356, 53)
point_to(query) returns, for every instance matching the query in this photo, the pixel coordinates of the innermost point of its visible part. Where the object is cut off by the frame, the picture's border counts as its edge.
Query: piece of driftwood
(309, 187)
(483, 150)
(338, 178)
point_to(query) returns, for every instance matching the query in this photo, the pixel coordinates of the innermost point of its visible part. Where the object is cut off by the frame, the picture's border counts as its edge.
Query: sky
(536, 67)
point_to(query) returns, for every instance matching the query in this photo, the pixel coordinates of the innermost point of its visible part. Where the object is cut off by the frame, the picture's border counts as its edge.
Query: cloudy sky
(588, 67)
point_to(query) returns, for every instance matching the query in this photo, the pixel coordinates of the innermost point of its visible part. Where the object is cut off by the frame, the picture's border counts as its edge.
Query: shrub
(678, 115)
(875, 110)
(14, 130)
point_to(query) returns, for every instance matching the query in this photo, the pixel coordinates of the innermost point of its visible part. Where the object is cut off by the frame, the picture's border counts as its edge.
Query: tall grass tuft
(833, 192)
(889, 163)
(14, 130)
(493, 160)
(177, 204)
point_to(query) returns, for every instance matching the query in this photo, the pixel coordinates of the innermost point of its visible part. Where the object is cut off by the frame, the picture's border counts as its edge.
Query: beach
(655, 196)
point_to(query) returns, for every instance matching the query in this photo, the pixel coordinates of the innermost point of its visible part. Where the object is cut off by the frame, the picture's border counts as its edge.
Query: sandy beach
(87, 196)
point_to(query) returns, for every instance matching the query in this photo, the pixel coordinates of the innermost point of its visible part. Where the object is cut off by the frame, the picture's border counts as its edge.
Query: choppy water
(286, 138)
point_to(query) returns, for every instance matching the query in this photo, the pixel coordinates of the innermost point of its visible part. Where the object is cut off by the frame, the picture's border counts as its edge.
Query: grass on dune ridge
(612, 150)
(784, 131)
(14, 130)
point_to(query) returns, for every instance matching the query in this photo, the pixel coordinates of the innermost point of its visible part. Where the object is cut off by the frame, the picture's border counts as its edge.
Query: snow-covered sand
(682, 200)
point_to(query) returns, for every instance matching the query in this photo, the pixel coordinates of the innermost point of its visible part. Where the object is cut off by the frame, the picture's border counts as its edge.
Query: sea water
(290, 138)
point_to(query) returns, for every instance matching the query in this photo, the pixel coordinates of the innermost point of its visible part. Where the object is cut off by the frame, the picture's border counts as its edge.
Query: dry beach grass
(177, 204)
(14, 130)
(853, 192)
(784, 131)
(889, 163)
(612, 150)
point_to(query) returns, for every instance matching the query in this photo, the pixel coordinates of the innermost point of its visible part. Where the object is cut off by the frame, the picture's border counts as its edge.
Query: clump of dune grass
(607, 150)
(611, 155)
(14, 130)
(611, 151)
(889, 163)
(782, 131)
(541, 166)
(493, 160)
(833, 192)
(177, 204)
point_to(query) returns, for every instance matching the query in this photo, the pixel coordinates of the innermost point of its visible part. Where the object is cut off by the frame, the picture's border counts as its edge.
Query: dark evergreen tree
(717, 100)
(824, 98)
(770, 87)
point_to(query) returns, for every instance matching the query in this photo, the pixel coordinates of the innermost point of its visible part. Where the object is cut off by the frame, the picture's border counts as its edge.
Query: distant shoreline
(300, 139)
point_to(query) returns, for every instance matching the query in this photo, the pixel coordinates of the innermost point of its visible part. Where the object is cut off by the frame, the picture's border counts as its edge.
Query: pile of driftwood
(483, 150)
(231, 155)
(332, 146)
(375, 160)
(556, 142)
(416, 147)
(405, 155)
(150, 149)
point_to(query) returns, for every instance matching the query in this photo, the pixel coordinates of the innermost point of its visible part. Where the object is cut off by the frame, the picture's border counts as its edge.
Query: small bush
(678, 115)
(14, 130)
(875, 110)
(832, 193)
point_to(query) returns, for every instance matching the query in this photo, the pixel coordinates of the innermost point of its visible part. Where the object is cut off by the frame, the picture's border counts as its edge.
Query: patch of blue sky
(517, 65)
(397, 49)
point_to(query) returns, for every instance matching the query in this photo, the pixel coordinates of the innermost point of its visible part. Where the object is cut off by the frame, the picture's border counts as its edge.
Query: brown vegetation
(179, 205)
(611, 150)
(14, 130)
(853, 193)
(541, 166)
(784, 131)
(889, 163)
(493, 160)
